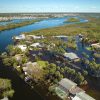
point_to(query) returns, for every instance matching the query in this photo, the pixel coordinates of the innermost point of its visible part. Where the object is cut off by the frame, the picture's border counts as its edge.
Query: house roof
(36, 37)
(76, 98)
(36, 45)
(30, 63)
(61, 36)
(67, 84)
(84, 96)
(71, 56)
(22, 36)
(5, 98)
(18, 57)
(22, 47)
(97, 45)
(76, 90)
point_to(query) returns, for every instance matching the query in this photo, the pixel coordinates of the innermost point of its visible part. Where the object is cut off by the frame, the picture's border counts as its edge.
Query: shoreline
(17, 25)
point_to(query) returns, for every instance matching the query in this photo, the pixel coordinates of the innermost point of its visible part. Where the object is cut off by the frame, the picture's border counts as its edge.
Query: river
(6, 36)
(22, 90)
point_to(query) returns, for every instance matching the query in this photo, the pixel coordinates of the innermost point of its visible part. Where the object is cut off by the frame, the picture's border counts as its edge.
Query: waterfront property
(69, 89)
(71, 56)
(35, 37)
(82, 96)
(22, 47)
(36, 45)
(18, 57)
(20, 37)
(67, 85)
(62, 37)
(5, 98)
(96, 45)
(54, 73)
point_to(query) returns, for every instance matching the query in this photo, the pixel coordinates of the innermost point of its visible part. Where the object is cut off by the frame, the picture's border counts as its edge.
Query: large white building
(71, 56)
(70, 89)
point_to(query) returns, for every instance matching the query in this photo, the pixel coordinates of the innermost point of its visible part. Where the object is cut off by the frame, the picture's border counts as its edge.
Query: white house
(20, 37)
(36, 37)
(72, 90)
(36, 45)
(82, 96)
(61, 36)
(71, 56)
(96, 45)
(5, 98)
(22, 47)
(67, 85)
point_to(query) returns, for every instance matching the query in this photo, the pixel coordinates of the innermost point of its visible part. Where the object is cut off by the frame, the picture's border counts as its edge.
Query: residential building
(67, 85)
(22, 47)
(67, 88)
(96, 45)
(20, 37)
(71, 56)
(82, 96)
(36, 45)
(36, 37)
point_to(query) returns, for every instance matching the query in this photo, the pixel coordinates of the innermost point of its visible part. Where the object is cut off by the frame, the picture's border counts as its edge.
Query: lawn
(41, 64)
(88, 48)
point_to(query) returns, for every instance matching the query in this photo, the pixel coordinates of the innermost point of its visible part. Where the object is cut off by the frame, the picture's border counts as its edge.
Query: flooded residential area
(49, 54)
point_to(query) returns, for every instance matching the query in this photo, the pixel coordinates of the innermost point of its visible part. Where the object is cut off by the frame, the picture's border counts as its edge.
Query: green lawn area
(41, 64)
(88, 48)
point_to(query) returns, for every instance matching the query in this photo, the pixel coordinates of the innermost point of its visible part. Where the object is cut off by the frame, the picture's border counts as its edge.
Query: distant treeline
(15, 25)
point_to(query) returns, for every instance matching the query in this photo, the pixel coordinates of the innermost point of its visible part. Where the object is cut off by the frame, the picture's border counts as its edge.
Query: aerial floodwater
(6, 36)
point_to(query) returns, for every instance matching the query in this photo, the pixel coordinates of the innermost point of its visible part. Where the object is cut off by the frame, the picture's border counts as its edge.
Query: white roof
(71, 55)
(96, 45)
(76, 98)
(84, 96)
(30, 63)
(22, 47)
(36, 45)
(61, 36)
(5, 98)
(36, 37)
(22, 36)
(67, 84)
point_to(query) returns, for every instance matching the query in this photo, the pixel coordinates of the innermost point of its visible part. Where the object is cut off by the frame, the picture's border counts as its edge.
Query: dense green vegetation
(16, 25)
(72, 20)
(5, 88)
(91, 30)
(52, 66)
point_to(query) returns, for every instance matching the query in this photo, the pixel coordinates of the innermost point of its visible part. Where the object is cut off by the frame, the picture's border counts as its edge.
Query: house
(22, 47)
(82, 96)
(71, 56)
(18, 57)
(33, 70)
(36, 45)
(63, 37)
(20, 37)
(5, 98)
(30, 64)
(96, 45)
(67, 85)
(27, 65)
(36, 37)
(70, 89)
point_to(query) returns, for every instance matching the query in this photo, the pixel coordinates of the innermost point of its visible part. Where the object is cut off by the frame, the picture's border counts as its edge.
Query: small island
(72, 20)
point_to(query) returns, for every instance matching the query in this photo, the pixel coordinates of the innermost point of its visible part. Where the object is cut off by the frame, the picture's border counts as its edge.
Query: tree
(85, 73)
(5, 88)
